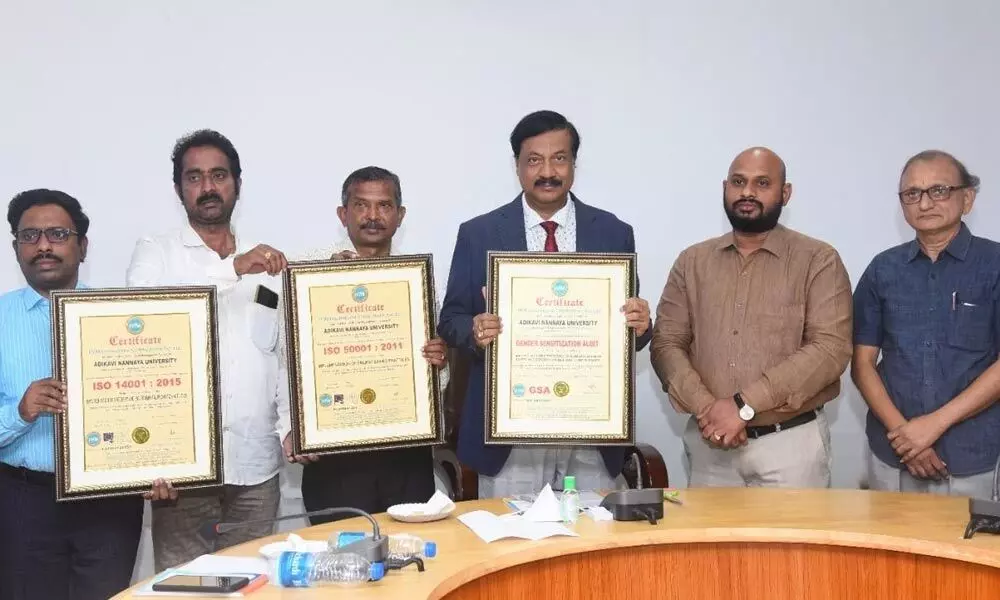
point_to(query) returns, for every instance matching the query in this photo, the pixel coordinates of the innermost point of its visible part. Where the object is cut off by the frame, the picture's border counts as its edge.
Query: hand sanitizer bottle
(570, 500)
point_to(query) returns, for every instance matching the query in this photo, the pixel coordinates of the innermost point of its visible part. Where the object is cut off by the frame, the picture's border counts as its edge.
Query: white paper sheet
(490, 528)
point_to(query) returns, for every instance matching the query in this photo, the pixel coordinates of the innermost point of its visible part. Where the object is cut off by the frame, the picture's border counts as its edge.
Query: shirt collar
(562, 216)
(776, 241)
(958, 247)
(191, 239)
(32, 299)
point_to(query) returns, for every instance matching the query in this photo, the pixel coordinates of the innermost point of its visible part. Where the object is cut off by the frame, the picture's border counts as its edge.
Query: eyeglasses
(55, 235)
(936, 193)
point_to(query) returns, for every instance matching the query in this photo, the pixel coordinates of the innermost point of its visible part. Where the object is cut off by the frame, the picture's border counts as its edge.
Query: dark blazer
(503, 229)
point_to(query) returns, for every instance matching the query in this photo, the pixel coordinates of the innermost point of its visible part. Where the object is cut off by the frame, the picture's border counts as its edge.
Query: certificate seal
(325, 400)
(518, 389)
(367, 396)
(140, 435)
(360, 293)
(560, 389)
(135, 325)
(93, 439)
(560, 288)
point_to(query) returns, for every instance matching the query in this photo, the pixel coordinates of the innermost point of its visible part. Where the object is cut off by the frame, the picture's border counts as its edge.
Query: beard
(762, 223)
(221, 217)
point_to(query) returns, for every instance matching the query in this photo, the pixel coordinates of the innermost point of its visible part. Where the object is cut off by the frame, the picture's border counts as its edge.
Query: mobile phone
(202, 583)
(266, 297)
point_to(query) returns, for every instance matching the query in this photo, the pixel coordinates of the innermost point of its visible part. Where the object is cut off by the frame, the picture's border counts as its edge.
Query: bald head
(760, 158)
(756, 190)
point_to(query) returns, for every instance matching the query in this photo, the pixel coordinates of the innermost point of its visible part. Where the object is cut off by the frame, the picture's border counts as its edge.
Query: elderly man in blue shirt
(81, 550)
(931, 307)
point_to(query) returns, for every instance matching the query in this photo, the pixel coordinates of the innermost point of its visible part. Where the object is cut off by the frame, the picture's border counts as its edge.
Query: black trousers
(371, 481)
(81, 550)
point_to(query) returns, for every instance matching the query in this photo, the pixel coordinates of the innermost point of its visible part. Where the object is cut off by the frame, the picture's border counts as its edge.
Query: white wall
(664, 93)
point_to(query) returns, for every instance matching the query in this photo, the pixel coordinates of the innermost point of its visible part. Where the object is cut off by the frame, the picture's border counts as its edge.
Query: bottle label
(293, 569)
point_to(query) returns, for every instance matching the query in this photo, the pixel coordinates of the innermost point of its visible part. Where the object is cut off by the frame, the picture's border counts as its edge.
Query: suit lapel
(588, 233)
(511, 227)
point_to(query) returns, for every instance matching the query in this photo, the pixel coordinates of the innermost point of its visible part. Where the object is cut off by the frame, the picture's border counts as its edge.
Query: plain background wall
(664, 93)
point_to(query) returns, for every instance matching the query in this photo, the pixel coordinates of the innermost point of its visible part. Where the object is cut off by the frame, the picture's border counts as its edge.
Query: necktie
(550, 236)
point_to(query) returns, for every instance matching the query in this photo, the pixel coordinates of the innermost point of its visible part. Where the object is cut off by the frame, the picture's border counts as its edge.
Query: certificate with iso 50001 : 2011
(142, 390)
(355, 330)
(561, 371)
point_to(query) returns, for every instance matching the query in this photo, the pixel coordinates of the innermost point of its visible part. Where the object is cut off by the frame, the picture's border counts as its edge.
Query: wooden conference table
(723, 543)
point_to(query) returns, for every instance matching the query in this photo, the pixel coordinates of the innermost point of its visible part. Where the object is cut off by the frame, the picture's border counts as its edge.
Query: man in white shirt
(371, 211)
(206, 251)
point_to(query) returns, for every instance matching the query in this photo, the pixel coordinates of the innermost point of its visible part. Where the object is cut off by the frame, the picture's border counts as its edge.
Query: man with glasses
(81, 550)
(207, 251)
(931, 307)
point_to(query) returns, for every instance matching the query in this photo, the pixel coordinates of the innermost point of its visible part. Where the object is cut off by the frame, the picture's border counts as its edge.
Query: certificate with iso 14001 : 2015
(355, 329)
(140, 368)
(561, 372)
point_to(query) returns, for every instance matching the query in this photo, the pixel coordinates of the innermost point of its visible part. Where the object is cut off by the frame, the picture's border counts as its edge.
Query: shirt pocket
(263, 324)
(971, 326)
(779, 330)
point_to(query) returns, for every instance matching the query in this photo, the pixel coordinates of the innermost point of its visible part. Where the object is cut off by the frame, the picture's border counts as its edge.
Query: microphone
(984, 515)
(374, 548)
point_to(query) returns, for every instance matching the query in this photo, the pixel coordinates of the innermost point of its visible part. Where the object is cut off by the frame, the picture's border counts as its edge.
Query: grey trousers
(528, 469)
(176, 525)
(888, 478)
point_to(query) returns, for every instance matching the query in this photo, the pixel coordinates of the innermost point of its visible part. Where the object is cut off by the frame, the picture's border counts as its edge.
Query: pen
(954, 298)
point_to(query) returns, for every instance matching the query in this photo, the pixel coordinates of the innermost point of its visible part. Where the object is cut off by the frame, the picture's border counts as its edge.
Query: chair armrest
(644, 467)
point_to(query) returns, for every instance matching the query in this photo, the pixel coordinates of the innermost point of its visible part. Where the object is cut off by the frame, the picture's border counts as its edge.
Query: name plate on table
(562, 370)
(355, 331)
(141, 372)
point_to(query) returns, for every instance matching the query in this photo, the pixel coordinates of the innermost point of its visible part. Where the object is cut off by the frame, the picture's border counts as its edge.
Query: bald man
(752, 334)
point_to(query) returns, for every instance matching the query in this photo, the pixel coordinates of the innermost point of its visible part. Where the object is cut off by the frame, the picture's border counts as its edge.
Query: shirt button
(739, 305)
(732, 364)
(736, 332)
(927, 343)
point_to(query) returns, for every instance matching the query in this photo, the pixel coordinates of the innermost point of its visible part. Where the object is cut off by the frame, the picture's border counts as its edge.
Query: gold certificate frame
(562, 371)
(141, 374)
(357, 378)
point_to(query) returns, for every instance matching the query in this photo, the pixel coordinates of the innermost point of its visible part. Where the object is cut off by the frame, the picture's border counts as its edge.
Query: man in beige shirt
(752, 334)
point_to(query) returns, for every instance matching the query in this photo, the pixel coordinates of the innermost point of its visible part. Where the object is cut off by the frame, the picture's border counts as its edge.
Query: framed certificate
(562, 371)
(357, 378)
(140, 368)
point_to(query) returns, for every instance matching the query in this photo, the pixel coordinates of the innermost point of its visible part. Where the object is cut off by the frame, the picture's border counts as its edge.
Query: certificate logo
(109, 436)
(367, 396)
(140, 435)
(338, 398)
(518, 389)
(560, 389)
(93, 439)
(134, 325)
(560, 288)
(360, 293)
(325, 400)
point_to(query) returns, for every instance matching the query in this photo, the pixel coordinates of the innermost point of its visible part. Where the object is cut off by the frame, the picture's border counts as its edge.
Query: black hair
(967, 179)
(41, 197)
(541, 122)
(200, 139)
(368, 175)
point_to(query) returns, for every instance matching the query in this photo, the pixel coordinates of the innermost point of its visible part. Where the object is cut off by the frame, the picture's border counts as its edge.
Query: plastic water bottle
(316, 569)
(401, 546)
(570, 500)
(404, 545)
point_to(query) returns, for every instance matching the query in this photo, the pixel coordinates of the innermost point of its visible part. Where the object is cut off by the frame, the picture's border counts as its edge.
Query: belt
(762, 430)
(22, 474)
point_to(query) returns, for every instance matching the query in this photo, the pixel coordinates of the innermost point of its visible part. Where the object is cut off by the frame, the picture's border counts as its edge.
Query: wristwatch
(746, 411)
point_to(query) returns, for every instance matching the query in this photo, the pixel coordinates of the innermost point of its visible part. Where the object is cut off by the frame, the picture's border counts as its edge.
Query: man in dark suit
(546, 217)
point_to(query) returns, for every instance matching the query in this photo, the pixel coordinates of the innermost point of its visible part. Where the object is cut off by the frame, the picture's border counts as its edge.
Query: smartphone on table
(219, 584)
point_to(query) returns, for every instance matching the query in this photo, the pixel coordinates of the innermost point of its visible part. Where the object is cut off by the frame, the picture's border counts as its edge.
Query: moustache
(552, 181)
(208, 197)
(45, 256)
(750, 200)
(373, 225)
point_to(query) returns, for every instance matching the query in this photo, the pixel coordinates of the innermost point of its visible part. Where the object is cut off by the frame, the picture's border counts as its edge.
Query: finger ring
(267, 255)
(717, 436)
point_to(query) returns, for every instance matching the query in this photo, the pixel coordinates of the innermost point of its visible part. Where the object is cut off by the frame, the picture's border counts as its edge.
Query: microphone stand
(375, 548)
(984, 515)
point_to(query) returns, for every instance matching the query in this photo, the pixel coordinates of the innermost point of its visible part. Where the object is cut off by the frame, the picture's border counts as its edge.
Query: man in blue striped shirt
(81, 550)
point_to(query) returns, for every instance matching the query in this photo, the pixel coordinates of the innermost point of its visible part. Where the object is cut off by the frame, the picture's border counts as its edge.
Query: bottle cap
(377, 571)
(430, 549)
(569, 482)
